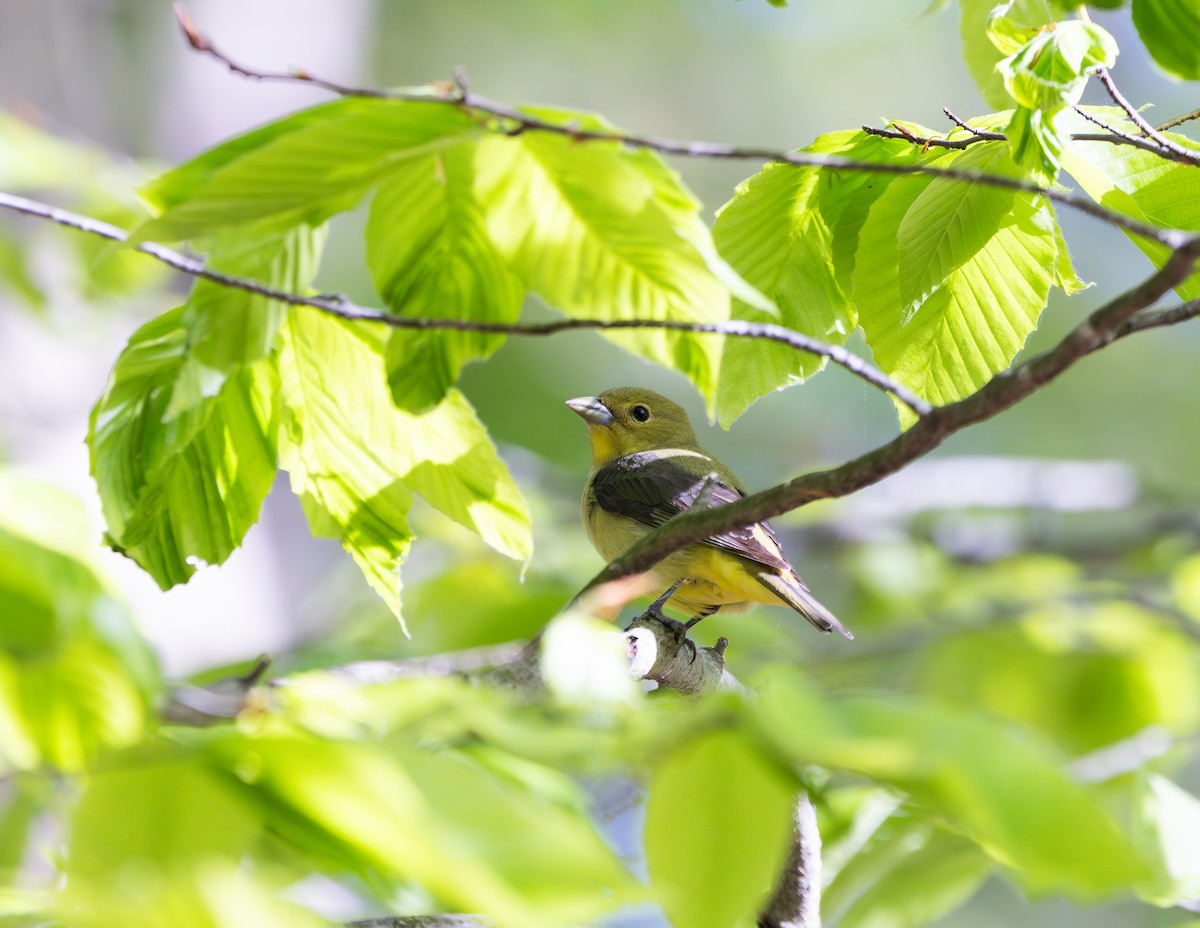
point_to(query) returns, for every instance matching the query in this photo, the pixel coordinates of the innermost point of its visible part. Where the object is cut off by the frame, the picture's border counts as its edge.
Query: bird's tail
(793, 592)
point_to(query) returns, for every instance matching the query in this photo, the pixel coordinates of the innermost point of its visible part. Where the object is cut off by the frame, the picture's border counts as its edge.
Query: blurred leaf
(49, 588)
(718, 827)
(1167, 826)
(973, 323)
(430, 257)
(1143, 186)
(177, 492)
(603, 232)
(1185, 584)
(433, 818)
(1170, 30)
(70, 704)
(159, 812)
(27, 797)
(301, 168)
(355, 459)
(1003, 791)
(549, 852)
(488, 607)
(213, 893)
(228, 328)
(935, 872)
(73, 676)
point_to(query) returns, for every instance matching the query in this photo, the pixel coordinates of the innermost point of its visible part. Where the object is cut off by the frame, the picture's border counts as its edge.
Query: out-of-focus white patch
(585, 661)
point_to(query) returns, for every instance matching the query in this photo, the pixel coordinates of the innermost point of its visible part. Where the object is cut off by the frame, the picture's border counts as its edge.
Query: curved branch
(344, 309)
(1113, 320)
(513, 121)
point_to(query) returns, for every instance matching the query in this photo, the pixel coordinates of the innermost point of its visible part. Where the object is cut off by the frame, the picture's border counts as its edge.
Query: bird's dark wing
(651, 488)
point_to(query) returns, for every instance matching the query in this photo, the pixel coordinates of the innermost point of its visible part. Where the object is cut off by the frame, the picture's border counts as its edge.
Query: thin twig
(1179, 120)
(1113, 319)
(344, 309)
(513, 120)
(1181, 153)
(1113, 136)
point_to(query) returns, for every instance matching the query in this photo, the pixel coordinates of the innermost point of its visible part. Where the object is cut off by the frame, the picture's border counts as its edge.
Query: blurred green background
(1056, 595)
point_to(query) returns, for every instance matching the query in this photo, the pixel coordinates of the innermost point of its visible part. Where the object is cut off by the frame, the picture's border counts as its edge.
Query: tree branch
(344, 309)
(1113, 136)
(513, 121)
(1113, 320)
(1165, 144)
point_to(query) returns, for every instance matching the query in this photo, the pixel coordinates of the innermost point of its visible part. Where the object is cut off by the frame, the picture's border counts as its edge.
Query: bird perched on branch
(646, 467)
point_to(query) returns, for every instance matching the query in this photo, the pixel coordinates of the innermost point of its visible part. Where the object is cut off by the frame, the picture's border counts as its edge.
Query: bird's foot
(656, 607)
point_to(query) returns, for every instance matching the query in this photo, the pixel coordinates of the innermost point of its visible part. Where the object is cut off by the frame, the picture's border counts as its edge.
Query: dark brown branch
(344, 309)
(512, 120)
(1115, 318)
(1165, 144)
(1115, 135)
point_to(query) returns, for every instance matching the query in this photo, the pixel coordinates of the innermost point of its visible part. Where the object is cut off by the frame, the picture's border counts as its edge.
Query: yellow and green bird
(646, 467)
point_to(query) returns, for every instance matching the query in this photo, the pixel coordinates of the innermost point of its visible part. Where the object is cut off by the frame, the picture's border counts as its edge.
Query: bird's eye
(640, 412)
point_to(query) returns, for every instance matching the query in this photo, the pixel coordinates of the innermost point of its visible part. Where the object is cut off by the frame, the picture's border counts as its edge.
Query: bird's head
(625, 420)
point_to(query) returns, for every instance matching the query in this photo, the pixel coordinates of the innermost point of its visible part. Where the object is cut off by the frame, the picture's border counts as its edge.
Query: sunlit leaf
(355, 459)
(303, 167)
(979, 315)
(1143, 186)
(228, 327)
(601, 232)
(718, 826)
(182, 491)
(793, 234)
(979, 51)
(430, 256)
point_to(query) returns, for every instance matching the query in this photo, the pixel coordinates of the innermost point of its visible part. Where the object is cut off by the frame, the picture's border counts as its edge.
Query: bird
(647, 466)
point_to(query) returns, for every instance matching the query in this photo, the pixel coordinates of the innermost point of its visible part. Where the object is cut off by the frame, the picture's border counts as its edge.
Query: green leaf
(1000, 789)
(49, 587)
(229, 328)
(792, 233)
(718, 826)
(184, 490)
(949, 222)
(355, 459)
(302, 168)
(430, 257)
(63, 708)
(935, 873)
(1046, 75)
(979, 34)
(547, 850)
(977, 319)
(1143, 186)
(166, 812)
(599, 231)
(1167, 826)
(1170, 30)
(402, 818)
(74, 676)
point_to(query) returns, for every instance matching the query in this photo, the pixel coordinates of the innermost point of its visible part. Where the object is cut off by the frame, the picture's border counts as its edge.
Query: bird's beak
(591, 410)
